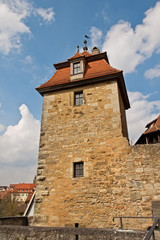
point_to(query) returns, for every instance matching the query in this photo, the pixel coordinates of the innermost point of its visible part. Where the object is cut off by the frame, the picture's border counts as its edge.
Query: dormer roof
(79, 55)
(97, 69)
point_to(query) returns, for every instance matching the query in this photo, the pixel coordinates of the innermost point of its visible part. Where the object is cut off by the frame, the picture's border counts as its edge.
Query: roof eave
(123, 89)
(79, 83)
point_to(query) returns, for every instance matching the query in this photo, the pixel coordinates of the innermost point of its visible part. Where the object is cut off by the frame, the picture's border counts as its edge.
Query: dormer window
(76, 67)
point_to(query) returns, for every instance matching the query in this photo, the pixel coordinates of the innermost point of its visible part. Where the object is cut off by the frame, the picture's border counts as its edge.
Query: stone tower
(83, 136)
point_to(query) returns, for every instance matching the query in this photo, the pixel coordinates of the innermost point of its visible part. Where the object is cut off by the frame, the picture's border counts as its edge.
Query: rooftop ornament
(85, 48)
(77, 48)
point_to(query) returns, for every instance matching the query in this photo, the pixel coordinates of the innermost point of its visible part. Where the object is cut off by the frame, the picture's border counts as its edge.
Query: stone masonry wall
(41, 233)
(119, 180)
(143, 178)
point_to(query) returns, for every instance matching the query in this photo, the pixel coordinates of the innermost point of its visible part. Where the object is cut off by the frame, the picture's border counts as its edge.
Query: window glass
(76, 67)
(78, 169)
(78, 98)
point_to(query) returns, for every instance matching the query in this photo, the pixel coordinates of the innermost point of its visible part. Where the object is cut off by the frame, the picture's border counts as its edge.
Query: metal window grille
(78, 169)
(78, 98)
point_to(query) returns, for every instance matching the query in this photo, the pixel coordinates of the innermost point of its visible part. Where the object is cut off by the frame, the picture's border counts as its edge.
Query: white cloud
(19, 145)
(12, 26)
(28, 59)
(96, 35)
(153, 72)
(46, 14)
(142, 111)
(2, 127)
(133, 46)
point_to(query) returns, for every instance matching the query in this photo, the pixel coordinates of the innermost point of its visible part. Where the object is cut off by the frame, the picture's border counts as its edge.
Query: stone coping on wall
(48, 233)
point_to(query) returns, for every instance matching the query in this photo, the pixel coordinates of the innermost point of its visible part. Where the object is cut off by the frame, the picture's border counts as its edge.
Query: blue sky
(34, 34)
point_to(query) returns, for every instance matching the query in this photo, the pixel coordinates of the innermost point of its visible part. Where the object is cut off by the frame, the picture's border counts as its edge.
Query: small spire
(85, 48)
(77, 48)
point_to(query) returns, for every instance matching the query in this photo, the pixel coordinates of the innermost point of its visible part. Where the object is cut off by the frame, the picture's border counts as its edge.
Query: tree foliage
(9, 207)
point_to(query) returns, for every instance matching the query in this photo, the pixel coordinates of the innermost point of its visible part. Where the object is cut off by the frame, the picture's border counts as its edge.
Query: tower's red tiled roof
(78, 54)
(97, 67)
(93, 69)
(86, 54)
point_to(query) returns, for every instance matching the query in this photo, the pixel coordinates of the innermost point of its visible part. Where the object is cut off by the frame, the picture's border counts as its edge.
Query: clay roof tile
(153, 126)
(76, 55)
(93, 69)
(96, 66)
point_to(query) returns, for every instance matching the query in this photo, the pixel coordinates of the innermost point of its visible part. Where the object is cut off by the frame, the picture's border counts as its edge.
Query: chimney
(95, 50)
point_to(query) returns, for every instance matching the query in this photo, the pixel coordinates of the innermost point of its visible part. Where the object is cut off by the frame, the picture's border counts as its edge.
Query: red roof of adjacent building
(12, 185)
(5, 193)
(24, 187)
(153, 126)
(153, 129)
(29, 197)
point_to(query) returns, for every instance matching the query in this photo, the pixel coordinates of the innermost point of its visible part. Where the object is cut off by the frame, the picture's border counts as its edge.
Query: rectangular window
(78, 169)
(76, 67)
(78, 98)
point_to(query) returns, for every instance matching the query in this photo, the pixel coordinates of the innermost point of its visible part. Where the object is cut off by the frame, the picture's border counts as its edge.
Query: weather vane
(85, 48)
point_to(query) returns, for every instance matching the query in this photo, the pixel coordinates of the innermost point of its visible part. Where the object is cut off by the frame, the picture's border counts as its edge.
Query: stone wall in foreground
(44, 233)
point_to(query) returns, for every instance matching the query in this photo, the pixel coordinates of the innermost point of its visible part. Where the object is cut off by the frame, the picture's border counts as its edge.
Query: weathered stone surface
(41, 233)
(41, 178)
(119, 180)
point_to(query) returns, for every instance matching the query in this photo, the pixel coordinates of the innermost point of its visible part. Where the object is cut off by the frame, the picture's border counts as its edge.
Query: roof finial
(77, 48)
(85, 48)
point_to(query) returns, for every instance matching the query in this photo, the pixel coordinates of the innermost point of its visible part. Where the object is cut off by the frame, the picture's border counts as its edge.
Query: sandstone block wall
(41, 233)
(119, 180)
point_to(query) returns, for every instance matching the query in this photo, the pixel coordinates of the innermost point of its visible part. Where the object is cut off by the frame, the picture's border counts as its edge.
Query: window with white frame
(76, 67)
(78, 98)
